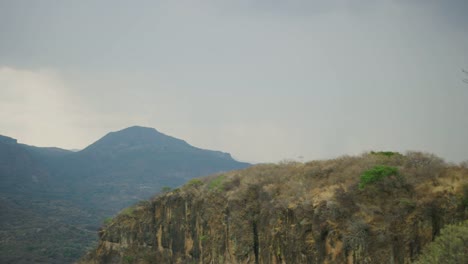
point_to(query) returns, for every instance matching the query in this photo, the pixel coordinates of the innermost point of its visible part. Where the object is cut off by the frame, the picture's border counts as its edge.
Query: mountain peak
(133, 132)
(136, 136)
(134, 129)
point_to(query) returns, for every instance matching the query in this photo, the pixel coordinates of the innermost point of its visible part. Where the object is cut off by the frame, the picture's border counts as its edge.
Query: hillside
(376, 208)
(52, 201)
(38, 224)
(126, 166)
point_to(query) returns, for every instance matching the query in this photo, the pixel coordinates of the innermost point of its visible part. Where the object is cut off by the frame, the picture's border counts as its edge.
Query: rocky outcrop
(292, 213)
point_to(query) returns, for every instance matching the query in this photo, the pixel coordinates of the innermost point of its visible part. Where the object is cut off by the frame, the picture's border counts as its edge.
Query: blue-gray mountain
(74, 191)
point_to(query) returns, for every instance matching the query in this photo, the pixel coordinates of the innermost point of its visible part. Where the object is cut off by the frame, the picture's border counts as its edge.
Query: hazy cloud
(34, 107)
(265, 80)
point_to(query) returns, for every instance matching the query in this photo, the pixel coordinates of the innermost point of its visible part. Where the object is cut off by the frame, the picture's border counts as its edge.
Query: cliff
(317, 212)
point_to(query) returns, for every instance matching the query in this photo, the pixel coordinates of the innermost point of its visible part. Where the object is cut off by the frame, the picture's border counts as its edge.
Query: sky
(263, 80)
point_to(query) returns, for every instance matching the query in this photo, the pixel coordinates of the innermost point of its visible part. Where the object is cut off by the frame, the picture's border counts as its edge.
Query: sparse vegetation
(107, 220)
(166, 189)
(464, 198)
(129, 211)
(357, 238)
(407, 202)
(194, 183)
(128, 259)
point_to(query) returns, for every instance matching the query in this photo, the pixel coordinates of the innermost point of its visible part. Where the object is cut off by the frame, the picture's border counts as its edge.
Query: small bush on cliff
(107, 220)
(376, 174)
(464, 197)
(129, 211)
(128, 259)
(194, 183)
(166, 189)
(450, 247)
(217, 183)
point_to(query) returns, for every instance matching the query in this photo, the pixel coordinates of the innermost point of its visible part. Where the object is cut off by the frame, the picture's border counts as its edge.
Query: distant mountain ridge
(136, 137)
(139, 153)
(117, 170)
(5, 139)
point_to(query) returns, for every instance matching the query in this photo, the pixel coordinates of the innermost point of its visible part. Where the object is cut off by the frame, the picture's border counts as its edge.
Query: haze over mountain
(280, 79)
(77, 190)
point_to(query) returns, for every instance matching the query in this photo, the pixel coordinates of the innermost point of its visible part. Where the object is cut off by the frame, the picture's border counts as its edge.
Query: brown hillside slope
(294, 213)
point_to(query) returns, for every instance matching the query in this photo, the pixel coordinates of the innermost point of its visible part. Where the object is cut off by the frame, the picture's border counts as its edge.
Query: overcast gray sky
(263, 80)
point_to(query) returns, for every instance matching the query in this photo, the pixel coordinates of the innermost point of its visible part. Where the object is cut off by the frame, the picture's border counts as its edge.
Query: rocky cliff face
(293, 213)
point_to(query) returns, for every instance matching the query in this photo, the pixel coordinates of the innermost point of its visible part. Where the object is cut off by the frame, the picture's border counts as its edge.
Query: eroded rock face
(292, 213)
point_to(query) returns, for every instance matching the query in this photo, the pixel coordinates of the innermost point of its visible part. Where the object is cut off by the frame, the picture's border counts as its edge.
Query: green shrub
(107, 220)
(166, 189)
(376, 174)
(128, 259)
(194, 183)
(464, 198)
(129, 211)
(407, 202)
(450, 247)
(217, 183)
